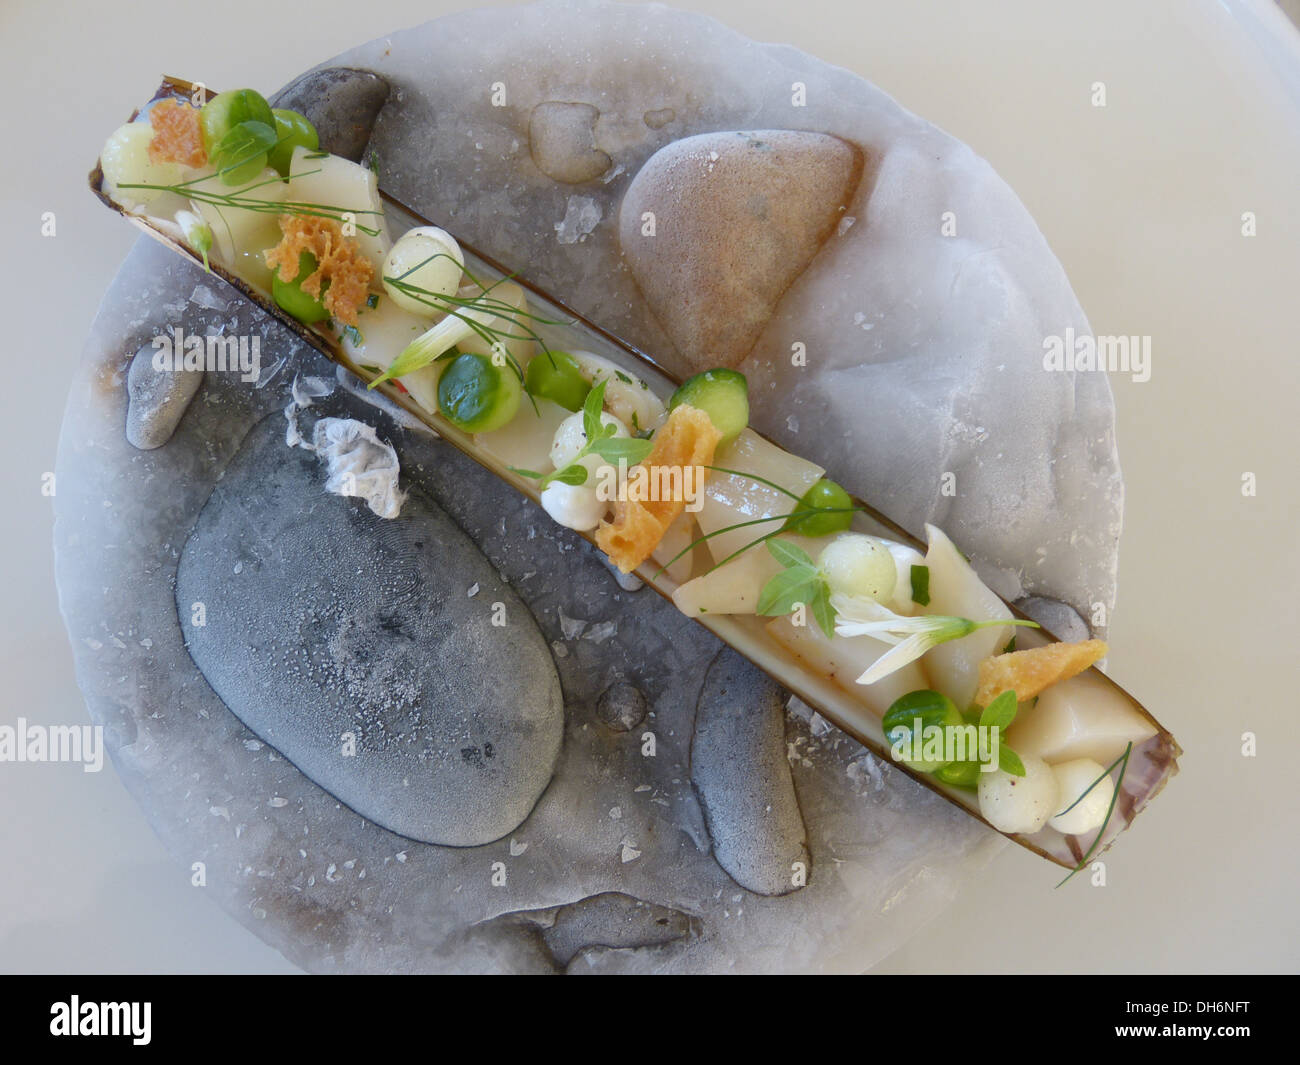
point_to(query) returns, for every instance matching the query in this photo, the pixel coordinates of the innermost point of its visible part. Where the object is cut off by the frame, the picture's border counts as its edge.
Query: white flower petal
(908, 651)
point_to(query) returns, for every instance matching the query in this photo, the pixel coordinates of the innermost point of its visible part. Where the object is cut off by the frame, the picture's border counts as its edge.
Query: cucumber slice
(722, 394)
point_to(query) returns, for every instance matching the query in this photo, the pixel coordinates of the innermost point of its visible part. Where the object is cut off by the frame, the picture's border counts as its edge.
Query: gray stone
(622, 706)
(322, 622)
(614, 920)
(562, 140)
(1060, 619)
(341, 103)
(739, 768)
(156, 399)
(737, 217)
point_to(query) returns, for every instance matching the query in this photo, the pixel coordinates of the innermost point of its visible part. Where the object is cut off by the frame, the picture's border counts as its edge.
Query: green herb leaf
(783, 592)
(921, 585)
(574, 475)
(622, 447)
(1009, 761)
(789, 554)
(822, 609)
(591, 408)
(1011, 645)
(1000, 712)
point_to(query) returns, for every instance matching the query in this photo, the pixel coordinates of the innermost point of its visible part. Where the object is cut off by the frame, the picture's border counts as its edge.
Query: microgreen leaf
(574, 475)
(613, 449)
(591, 408)
(1009, 761)
(921, 585)
(1000, 712)
(789, 554)
(822, 609)
(786, 589)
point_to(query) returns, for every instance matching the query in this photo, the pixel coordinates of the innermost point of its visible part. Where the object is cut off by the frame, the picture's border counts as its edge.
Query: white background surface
(1142, 200)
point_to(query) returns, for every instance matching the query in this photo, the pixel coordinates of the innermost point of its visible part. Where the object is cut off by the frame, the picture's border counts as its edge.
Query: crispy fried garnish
(1029, 672)
(687, 438)
(176, 135)
(338, 261)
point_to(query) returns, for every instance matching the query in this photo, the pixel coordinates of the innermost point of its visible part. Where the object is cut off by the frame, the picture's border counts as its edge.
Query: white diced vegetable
(677, 537)
(237, 230)
(729, 500)
(1083, 717)
(957, 591)
(735, 587)
(1019, 804)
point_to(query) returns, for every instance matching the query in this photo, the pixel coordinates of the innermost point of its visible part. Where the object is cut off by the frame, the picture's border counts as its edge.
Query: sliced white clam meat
(1075, 814)
(1019, 804)
(957, 591)
(629, 398)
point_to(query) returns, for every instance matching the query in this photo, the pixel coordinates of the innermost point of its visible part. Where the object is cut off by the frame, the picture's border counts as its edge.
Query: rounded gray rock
(622, 706)
(349, 644)
(341, 103)
(740, 771)
(156, 400)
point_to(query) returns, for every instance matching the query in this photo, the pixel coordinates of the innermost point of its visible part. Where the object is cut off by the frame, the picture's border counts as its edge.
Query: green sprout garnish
(600, 441)
(799, 583)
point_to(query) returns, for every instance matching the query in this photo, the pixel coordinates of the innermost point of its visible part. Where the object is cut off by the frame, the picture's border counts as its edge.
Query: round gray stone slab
(348, 643)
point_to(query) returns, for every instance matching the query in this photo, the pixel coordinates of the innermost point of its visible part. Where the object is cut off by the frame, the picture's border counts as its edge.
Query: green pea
(227, 110)
(476, 395)
(932, 709)
(807, 522)
(556, 376)
(289, 295)
(291, 130)
(960, 774)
